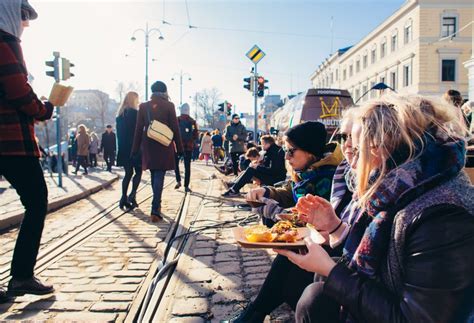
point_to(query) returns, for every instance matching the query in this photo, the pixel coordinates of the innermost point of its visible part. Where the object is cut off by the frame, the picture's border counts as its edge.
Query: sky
(96, 36)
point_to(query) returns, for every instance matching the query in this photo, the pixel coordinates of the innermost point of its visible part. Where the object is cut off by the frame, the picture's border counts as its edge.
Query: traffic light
(229, 108)
(249, 83)
(221, 106)
(55, 65)
(261, 86)
(66, 69)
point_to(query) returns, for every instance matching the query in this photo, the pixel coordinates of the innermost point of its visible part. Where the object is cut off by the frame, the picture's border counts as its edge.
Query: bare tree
(123, 88)
(206, 102)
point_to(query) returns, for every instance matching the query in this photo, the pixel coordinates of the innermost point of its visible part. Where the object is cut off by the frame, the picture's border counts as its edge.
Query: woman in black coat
(126, 121)
(408, 255)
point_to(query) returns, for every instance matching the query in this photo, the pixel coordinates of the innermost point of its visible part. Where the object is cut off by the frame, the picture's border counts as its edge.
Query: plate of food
(283, 235)
(255, 203)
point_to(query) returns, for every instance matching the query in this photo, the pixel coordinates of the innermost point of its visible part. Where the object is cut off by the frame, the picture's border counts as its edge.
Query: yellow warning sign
(255, 54)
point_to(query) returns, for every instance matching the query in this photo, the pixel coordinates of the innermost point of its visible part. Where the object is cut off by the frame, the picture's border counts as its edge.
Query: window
(372, 93)
(448, 70)
(337, 75)
(383, 47)
(407, 33)
(393, 80)
(332, 78)
(357, 94)
(382, 79)
(364, 89)
(351, 70)
(448, 26)
(357, 66)
(344, 75)
(394, 42)
(407, 75)
(373, 56)
(365, 61)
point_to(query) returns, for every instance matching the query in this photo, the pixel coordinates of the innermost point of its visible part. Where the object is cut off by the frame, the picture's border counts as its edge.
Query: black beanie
(159, 86)
(309, 136)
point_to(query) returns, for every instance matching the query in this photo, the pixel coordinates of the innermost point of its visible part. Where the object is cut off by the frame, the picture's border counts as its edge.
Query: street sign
(255, 54)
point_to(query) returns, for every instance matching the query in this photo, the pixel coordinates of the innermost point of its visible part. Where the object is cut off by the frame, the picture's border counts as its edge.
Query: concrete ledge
(15, 218)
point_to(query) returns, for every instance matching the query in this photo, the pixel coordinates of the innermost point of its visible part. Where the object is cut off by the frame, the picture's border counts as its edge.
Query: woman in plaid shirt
(20, 108)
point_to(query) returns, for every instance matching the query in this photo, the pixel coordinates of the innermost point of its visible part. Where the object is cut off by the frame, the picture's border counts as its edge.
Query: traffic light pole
(59, 166)
(255, 118)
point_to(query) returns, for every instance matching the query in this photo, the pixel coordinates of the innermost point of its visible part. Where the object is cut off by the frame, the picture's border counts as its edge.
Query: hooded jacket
(20, 108)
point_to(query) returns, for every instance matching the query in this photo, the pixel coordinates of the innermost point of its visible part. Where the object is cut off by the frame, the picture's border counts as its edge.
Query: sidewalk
(75, 187)
(215, 276)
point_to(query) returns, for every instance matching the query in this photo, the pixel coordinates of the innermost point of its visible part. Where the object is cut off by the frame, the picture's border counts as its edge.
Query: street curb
(16, 218)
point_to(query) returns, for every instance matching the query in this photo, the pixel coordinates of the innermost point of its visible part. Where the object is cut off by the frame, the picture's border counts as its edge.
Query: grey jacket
(236, 146)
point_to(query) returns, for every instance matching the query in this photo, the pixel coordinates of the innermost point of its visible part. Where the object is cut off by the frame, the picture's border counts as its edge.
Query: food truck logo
(332, 111)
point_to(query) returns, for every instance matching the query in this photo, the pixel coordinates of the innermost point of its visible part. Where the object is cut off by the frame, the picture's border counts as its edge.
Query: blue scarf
(440, 160)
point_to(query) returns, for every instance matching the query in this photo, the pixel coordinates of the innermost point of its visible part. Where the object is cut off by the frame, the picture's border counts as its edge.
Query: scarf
(438, 160)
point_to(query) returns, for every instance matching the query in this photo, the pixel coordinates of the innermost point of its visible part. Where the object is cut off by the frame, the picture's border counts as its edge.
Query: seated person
(271, 170)
(252, 156)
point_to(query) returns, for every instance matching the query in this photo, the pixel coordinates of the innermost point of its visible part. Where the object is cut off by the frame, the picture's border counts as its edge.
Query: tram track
(58, 247)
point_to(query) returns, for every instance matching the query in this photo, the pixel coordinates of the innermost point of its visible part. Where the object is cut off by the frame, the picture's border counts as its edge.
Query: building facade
(421, 49)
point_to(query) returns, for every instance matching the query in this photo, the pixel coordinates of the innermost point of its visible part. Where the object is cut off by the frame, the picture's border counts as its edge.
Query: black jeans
(93, 160)
(129, 169)
(248, 174)
(109, 160)
(315, 306)
(81, 161)
(26, 176)
(187, 155)
(284, 284)
(235, 162)
(157, 182)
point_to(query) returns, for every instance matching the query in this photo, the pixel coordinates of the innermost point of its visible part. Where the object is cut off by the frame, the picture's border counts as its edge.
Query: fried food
(282, 231)
(258, 233)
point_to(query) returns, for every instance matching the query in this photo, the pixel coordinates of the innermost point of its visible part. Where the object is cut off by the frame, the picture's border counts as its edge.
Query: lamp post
(181, 75)
(147, 32)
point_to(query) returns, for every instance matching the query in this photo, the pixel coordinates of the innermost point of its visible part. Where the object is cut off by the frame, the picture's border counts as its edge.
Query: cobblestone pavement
(98, 279)
(217, 277)
(73, 186)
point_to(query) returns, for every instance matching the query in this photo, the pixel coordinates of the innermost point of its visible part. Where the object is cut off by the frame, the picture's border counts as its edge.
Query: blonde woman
(408, 256)
(126, 121)
(83, 141)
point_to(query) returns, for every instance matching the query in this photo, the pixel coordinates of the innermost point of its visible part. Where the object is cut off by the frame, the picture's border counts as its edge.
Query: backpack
(186, 130)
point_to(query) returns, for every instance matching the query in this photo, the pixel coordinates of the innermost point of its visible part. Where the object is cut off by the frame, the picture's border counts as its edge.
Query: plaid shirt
(19, 105)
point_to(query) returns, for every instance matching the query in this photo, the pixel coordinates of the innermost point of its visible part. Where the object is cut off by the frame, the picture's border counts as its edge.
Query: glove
(269, 210)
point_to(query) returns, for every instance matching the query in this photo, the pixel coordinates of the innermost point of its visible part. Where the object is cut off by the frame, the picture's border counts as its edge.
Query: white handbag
(158, 131)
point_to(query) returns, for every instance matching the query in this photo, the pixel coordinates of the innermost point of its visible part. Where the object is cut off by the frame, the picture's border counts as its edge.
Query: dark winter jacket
(126, 124)
(274, 163)
(188, 145)
(108, 144)
(427, 275)
(156, 156)
(236, 146)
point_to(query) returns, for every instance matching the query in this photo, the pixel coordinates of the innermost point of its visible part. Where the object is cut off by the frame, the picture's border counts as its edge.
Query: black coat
(108, 144)
(428, 275)
(125, 133)
(274, 163)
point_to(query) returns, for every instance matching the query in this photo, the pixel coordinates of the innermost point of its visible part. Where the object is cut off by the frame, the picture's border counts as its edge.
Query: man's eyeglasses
(25, 15)
(237, 118)
(290, 151)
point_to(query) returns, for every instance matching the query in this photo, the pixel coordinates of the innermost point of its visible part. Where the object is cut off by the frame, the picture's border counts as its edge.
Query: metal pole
(59, 166)
(255, 104)
(146, 62)
(181, 89)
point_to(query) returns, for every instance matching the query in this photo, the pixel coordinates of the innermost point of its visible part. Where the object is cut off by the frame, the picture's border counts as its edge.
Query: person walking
(93, 149)
(206, 147)
(108, 145)
(19, 152)
(236, 134)
(72, 147)
(217, 143)
(155, 156)
(126, 121)
(83, 141)
(189, 133)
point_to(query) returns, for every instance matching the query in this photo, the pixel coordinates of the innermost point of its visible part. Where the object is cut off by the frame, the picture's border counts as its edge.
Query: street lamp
(181, 75)
(147, 32)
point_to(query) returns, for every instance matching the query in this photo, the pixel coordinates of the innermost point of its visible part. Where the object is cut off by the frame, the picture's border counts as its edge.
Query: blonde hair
(130, 101)
(395, 125)
(82, 129)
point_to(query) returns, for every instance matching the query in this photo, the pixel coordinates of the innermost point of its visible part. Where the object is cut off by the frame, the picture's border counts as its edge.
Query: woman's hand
(255, 194)
(316, 260)
(317, 211)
